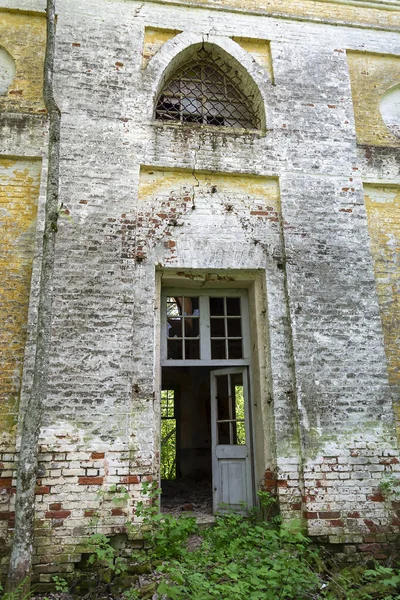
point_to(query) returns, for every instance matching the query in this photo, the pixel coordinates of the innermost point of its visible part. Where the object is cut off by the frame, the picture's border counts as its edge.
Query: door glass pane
(240, 430)
(231, 410)
(224, 408)
(224, 433)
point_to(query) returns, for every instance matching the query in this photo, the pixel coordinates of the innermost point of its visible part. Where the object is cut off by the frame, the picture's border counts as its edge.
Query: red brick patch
(389, 461)
(6, 516)
(57, 514)
(90, 480)
(97, 455)
(376, 497)
(90, 513)
(42, 489)
(371, 525)
(55, 506)
(329, 515)
(311, 515)
(130, 479)
(117, 512)
(6, 482)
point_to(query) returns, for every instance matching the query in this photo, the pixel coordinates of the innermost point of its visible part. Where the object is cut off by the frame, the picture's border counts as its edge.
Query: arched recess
(7, 70)
(390, 109)
(226, 56)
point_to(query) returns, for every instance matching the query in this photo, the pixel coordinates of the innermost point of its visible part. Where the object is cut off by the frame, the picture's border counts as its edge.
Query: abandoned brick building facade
(230, 173)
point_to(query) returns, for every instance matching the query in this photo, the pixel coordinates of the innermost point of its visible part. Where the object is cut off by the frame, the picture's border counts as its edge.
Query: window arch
(208, 89)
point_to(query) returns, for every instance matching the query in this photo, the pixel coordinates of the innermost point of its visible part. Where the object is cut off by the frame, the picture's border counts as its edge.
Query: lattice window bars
(206, 90)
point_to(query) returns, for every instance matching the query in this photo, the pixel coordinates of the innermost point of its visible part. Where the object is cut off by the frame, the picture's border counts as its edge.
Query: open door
(230, 432)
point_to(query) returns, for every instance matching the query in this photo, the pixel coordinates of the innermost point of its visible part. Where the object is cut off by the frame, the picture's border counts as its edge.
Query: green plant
(60, 584)
(165, 533)
(120, 494)
(390, 487)
(131, 594)
(239, 558)
(104, 555)
(360, 583)
(17, 594)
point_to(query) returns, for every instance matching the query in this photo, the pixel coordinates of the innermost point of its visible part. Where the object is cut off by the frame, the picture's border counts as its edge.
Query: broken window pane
(174, 306)
(174, 328)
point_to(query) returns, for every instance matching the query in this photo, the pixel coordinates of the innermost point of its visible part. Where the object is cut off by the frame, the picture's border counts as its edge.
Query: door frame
(218, 281)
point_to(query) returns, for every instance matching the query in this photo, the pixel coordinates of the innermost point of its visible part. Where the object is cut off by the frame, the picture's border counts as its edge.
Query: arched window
(207, 90)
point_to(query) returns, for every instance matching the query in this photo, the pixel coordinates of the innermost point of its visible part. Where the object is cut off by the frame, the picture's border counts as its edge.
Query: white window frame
(205, 342)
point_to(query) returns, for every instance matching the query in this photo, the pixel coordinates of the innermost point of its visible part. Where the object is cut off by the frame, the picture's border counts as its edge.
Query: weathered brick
(90, 480)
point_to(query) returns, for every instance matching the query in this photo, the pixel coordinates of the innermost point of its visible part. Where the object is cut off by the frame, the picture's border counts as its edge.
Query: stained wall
(299, 203)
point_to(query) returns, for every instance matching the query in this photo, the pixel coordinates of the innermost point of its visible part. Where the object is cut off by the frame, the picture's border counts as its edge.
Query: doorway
(206, 433)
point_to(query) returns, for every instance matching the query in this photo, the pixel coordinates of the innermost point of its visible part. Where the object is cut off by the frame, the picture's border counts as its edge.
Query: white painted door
(232, 473)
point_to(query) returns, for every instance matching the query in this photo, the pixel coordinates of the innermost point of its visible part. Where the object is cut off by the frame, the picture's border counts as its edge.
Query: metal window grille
(206, 90)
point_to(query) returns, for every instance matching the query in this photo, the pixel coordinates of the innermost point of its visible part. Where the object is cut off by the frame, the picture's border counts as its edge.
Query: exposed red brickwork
(130, 479)
(42, 489)
(57, 514)
(90, 480)
(97, 455)
(6, 482)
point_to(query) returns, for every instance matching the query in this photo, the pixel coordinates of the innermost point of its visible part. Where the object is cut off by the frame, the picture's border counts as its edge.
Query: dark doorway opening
(186, 465)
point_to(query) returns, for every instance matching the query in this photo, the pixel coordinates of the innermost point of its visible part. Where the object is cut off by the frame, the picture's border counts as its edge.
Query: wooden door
(232, 469)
